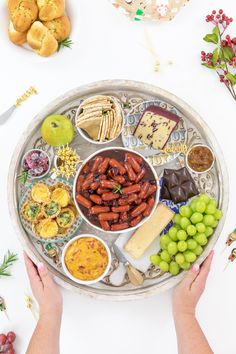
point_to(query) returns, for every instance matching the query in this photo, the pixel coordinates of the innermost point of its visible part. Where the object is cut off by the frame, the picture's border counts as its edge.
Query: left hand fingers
(32, 271)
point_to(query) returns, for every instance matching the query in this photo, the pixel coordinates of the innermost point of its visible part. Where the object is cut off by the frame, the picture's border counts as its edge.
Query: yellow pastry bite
(60, 27)
(22, 13)
(16, 37)
(41, 40)
(50, 9)
(40, 193)
(47, 228)
(61, 196)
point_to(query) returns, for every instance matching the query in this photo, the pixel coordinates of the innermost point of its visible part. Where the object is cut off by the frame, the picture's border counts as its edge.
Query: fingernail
(212, 252)
(195, 268)
(40, 266)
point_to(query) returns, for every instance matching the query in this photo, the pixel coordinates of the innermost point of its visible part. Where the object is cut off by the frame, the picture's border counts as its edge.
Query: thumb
(191, 275)
(44, 274)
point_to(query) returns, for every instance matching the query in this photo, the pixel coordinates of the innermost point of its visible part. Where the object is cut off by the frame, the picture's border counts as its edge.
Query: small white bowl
(86, 282)
(86, 136)
(144, 219)
(49, 163)
(186, 158)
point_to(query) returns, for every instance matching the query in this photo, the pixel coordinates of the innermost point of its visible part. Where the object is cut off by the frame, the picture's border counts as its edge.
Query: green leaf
(232, 78)
(208, 66)
(66, 43)
(227, 53)
(215, 56)
(23, 177)
(216, 30)
(8, 260)
(211, 38)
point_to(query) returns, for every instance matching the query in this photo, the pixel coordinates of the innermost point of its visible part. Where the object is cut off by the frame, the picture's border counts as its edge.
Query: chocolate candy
(178, 185)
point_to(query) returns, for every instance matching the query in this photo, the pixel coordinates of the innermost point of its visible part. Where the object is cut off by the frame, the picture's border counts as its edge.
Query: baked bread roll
(50, 9)
(22, 13)
(60, 27)
(15, 36)
(41, 40)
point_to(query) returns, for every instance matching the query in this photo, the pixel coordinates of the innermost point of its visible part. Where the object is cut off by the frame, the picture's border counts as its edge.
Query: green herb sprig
(23, 177)
(118, 189)
(66, 43)
(8, 260)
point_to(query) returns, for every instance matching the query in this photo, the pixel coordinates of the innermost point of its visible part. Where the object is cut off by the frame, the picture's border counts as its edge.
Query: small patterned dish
(41, 163)
(26, 196)
(178, 136)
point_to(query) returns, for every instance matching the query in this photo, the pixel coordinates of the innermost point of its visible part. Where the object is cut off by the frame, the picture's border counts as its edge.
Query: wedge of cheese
(156, 126)
(146, 234)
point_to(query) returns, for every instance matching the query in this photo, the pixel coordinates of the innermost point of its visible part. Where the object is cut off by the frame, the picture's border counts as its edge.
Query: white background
(107, 45)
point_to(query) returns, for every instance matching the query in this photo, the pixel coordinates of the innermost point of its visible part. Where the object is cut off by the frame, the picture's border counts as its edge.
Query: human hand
(188, 292)
(45, 290)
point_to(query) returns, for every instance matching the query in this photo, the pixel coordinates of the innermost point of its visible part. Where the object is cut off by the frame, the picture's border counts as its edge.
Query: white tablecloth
(108, 46)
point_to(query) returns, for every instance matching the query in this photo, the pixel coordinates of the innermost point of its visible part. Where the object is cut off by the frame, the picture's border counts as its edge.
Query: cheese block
(156, 126)
(146, 234)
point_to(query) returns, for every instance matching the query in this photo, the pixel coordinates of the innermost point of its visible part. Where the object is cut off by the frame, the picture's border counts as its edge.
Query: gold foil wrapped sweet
(66, 162)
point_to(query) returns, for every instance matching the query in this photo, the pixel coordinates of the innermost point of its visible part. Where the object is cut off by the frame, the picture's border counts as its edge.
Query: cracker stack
(100, 117)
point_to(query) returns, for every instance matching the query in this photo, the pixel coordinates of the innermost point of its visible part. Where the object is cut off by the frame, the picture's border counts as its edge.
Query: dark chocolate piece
(178, 185)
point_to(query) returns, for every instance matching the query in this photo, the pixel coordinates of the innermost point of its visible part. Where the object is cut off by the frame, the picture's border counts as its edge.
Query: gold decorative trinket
(66, 162)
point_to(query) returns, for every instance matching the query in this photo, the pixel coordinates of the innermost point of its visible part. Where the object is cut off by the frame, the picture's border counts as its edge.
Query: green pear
(57, 130)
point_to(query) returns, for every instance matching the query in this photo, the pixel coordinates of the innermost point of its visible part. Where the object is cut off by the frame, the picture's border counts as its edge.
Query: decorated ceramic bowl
(103, 208)
(81, 254)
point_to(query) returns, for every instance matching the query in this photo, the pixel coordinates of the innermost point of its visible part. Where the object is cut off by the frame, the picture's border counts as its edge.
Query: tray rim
(88, 89)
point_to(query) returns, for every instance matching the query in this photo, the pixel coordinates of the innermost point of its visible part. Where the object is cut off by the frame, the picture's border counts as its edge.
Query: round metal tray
(130, 93)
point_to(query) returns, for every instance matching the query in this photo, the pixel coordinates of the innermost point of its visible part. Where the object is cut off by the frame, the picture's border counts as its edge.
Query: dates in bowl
(116, 190)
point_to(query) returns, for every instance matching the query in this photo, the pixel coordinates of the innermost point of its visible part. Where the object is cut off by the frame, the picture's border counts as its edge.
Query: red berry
(11, 351)
(221, 11)
(227, 37)
(3, 339)
(230, 63)
(7, 346)
(209, 63)
(214, 12)
(234, 58)
(233, 40)
(202, 52)
(11, 336)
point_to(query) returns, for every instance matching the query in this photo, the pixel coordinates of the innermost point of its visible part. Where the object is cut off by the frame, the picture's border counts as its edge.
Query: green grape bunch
(190, 233)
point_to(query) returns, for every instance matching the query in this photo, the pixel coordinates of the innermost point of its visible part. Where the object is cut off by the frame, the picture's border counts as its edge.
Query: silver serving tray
(214, 183)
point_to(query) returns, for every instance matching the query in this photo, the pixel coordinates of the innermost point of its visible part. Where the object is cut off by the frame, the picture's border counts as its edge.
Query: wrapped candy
(156, 10)
(3, 306)
(231, 257)
(230, 239)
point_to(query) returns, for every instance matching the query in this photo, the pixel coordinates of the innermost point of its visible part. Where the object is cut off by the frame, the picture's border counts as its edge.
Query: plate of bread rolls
(41, 27)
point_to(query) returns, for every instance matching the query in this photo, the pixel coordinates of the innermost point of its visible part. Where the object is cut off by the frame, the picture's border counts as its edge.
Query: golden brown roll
(50, 9)
(60, 27)
(22, 13)
(41, 40)
(15, 36)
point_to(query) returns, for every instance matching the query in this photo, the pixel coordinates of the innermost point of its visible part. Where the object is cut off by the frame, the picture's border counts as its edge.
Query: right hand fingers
(205, 269)
(191, 276)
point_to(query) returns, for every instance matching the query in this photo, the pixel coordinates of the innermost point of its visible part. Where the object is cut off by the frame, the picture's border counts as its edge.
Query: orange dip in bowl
(86, 258)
